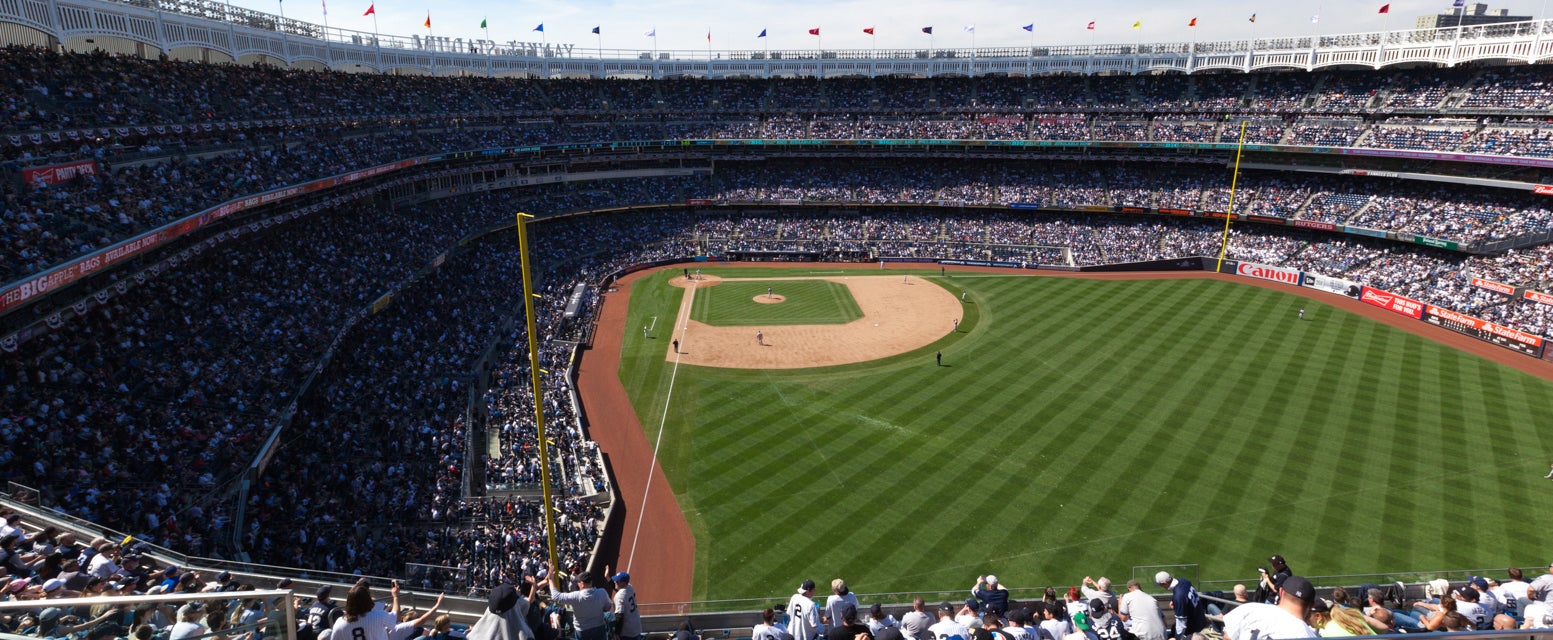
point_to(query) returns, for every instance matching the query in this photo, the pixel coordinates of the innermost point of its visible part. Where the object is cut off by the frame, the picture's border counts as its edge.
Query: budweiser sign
(1393, 302)
(1493, 286)
(1265, 272)
(57, 173)
(1543, 189)
(1538, 297)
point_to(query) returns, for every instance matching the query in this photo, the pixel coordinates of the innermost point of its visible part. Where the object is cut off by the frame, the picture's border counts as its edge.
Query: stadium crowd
(190, 370)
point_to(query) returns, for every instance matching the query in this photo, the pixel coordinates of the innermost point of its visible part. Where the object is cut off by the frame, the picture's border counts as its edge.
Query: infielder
(760, 338)
(676, 345)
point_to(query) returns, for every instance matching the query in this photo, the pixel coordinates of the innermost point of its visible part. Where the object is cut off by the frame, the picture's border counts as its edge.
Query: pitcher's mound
(775, 298)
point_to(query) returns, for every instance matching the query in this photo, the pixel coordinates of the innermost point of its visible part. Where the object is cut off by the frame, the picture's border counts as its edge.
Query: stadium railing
(280, 621)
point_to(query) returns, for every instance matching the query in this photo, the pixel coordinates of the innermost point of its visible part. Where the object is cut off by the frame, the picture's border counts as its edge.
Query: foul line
(682, 322)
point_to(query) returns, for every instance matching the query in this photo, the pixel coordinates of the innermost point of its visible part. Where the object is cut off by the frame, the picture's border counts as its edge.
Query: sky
(684, 24)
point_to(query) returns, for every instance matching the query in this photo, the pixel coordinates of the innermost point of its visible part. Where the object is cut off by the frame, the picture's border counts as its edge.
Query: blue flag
(1029, 27)
(595, 30)
(540, 28)
(762, 34)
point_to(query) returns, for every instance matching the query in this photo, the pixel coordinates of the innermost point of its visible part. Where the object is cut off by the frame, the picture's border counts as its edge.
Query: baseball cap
(192, 607)
(502, 599)
(1081, 620)
(848, 612)
(1299, 588)
(1465, 592)
(54, 585)
(324, 591)
(620, 577)
(973, 604)
(1479, 582)
(224, 576)
(1276, 559)
(1162, 577)
(806, 586)
(1097, 605)
(946, 608)
(1320, 605)
(18, 585)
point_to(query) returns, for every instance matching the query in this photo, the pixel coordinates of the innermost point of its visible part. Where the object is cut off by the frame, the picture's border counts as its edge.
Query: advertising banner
(1484, 330)
(1268, 272)
(1314, 224)
(1539, 297)
(1493, 286)
(54, 174)
(1373, 233)
(1329, 284)
(1392, 302)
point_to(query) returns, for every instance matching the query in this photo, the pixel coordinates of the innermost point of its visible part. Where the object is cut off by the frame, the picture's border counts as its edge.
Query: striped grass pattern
(732, 303)
(1084, 427)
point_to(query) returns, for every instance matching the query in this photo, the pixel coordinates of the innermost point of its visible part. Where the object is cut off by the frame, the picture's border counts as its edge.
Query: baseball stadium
(491, 335)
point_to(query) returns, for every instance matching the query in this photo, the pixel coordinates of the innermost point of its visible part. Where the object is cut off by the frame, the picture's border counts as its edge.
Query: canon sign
(1265, 272)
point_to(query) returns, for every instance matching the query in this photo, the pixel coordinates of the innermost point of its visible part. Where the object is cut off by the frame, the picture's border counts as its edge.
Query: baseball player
(962, 296)
(676, 345)
(956, 324)
(939, 358)
(698, 274)
(760, 338)
(1302, 313)
(768, 292)
(1549, 476)
(644, 333)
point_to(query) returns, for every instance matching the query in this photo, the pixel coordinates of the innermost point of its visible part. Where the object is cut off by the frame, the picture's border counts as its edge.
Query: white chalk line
(681, 322)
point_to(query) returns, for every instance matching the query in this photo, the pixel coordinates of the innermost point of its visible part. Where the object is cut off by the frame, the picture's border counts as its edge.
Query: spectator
(1283, 621)
(1190, 616)
(993, 596)
(803, 614)
(1141, 612)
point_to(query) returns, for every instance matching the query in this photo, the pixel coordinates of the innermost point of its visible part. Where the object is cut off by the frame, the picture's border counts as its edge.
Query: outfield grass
(732, 303)
(1086, 427)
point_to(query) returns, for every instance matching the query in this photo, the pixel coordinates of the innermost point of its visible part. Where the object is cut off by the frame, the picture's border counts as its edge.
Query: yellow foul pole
(1235, 178)
(539, 396)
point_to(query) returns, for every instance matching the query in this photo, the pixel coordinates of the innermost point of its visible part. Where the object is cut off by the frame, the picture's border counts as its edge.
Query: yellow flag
(1137, 25)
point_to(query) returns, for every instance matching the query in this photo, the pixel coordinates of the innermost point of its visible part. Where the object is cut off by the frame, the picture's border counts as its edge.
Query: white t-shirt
(1474, 612)
(948, 628)
(1542, 587)
(803, 619)
(1143, 617)
(1057, 629)
(186, 629)
(1258, 621)
(1513, 595)
(376, 625)
(1539, 615)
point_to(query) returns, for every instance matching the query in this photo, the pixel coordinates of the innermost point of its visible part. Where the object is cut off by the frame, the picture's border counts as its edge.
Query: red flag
(371, 9)
(815, 31)
(869, 31)
(1193, 23)
(1385, 8)
(428, 19)
(1091, 25)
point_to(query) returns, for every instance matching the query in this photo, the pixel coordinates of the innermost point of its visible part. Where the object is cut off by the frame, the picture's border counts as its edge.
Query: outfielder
(1302, 313)
(1549, 476)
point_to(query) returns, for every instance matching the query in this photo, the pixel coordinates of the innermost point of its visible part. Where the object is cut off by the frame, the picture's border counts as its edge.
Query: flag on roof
(868, 30)
(1193, 23)
(927, 30)
(1385, 8)
(1029, 27)
(595, 30)
(371, 9)
(1253, 18)
(815, 31)
(1091, 26)
(762, 34)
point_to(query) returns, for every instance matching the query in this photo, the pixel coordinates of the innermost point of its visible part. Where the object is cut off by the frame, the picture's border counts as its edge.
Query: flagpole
(599, 34)
(709, 53)
(377, 48)
(327, 48)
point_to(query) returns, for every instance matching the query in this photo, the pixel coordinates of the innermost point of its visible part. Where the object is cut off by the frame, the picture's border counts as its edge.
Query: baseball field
(1075, 427)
